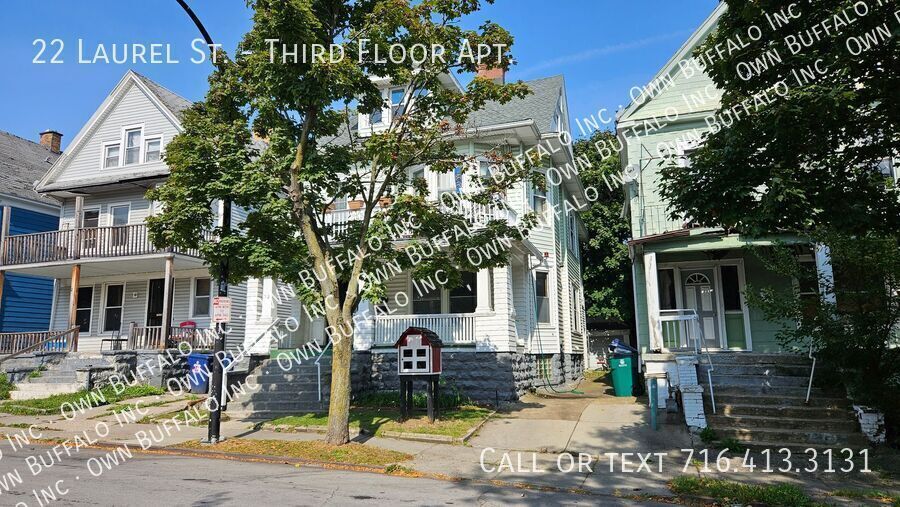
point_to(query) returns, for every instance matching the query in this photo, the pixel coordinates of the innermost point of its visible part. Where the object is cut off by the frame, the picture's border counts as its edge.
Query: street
(154, 480)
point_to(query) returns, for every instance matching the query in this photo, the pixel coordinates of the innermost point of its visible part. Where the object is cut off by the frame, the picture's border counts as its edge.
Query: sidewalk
(525, 443)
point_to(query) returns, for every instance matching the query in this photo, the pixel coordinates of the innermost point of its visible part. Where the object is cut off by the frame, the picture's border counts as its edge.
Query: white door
(700, 296)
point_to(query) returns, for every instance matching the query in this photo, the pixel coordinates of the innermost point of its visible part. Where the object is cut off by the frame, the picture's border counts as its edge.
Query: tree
(852, 323)
(312, 155)
(801, 130)
(605, 263)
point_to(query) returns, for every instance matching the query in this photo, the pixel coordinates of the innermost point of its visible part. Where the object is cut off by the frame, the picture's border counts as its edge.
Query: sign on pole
(221, 310)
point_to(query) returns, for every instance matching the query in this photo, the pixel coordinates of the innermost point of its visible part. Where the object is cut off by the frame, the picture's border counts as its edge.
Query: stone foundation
(484, 377)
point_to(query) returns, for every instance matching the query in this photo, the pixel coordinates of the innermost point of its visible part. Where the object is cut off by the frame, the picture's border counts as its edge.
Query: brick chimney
(51, 140)
(496, 74)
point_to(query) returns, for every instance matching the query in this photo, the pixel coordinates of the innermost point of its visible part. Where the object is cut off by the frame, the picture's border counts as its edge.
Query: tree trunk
(339, 404)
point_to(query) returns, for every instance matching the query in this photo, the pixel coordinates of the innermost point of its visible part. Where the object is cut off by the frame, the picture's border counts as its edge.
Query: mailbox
(418, 352)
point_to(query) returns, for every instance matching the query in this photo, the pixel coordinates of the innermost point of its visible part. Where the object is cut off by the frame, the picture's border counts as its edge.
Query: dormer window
(133, 146)
(396, 99)
(152, 149)
(111, 155)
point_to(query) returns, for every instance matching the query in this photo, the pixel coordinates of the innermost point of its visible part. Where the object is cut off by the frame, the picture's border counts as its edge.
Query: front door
(699, 295)
(155, 302)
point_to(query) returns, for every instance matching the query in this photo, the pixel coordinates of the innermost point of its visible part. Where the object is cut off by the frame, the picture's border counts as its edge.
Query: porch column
(4, 232)
(652, 298)
(825, 272)
(168, 289)
(79, 223)
(73, 294)
(483, 291)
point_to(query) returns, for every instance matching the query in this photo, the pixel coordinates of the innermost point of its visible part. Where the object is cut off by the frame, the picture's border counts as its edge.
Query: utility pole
(215, 408)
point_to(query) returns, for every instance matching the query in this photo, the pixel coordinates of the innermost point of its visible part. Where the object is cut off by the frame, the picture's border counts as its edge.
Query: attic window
(132, 146)
(111, 155)
(152, 149)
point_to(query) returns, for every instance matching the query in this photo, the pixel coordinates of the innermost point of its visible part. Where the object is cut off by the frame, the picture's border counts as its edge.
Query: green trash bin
(622, 376)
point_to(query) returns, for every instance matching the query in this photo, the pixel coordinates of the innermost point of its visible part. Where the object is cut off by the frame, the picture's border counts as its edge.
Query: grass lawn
(729, 492)
(95, 398)
(452, 423)
(196, 415)
(315, 450)
(5, 387)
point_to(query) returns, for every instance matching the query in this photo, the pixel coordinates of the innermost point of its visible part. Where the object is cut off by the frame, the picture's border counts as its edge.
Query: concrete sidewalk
(535, 442)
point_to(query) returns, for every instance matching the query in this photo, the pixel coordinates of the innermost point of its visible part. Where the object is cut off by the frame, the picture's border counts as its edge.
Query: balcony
(152, 337)
(477, 215)
(453, 328)
(86, 243)
(655, 219)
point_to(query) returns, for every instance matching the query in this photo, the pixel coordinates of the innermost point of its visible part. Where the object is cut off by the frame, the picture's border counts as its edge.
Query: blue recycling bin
(199, 366)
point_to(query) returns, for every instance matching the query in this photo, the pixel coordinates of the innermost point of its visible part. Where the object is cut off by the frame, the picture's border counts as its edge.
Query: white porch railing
(681, 329)
(452, 328)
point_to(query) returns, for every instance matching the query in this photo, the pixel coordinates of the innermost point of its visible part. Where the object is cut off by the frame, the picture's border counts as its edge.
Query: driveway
(593, 422)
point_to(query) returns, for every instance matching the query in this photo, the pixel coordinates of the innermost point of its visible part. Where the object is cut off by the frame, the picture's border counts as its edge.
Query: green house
(689, 278)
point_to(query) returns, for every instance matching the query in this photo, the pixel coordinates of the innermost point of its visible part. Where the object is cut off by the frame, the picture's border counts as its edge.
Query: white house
(112, 283)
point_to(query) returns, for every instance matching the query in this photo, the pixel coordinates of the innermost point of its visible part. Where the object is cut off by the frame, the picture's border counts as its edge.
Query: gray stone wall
(19, 367)
(484, 377)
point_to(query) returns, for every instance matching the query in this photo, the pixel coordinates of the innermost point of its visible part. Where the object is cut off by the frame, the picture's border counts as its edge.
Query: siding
(27, 299)
(141, 208)
(133, 108)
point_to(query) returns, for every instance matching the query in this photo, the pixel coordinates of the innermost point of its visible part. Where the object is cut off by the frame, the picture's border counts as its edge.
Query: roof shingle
(22, 163)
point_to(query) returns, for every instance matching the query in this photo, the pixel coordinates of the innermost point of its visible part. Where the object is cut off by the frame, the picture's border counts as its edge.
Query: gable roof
(168, 102)
(540, 106)
(22, 163)
(175, 103)
(671, 66)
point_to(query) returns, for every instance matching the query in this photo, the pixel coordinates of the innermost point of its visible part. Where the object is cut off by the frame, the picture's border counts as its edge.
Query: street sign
(221, 310)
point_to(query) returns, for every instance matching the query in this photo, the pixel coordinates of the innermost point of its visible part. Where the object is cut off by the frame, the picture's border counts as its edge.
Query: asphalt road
(159, 480)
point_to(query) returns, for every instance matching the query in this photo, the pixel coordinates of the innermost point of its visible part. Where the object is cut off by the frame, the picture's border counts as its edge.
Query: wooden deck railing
(87, 243)
(151, 337)
(15, 344)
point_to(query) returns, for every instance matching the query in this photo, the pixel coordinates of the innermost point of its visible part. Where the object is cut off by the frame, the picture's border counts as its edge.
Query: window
(376, 117)
(118, 216)
(573, 233)
(426, 297)
(397, 99)
(202, 293)
(542, 297)
(112, 309)
(111, 155)
(808, 287)
(576, 308)
(731, 291)
(538, 200)
(83, 309)
(153, 150)
(132, 146)
(666, 285)
(463, 298)
(417, 174)
(90, 219)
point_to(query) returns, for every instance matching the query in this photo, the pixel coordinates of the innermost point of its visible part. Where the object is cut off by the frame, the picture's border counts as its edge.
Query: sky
(603, 48)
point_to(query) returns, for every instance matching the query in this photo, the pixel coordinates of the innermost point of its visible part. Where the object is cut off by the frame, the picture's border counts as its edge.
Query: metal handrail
(319, 369)
(700, 344)
(812, 371)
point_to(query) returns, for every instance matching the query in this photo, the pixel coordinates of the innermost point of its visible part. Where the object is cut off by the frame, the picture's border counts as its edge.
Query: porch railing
(453, 328)
(682, 329)
(477, 215)
(655, 219)
(152, 337)
(15, 344)
(86, 243)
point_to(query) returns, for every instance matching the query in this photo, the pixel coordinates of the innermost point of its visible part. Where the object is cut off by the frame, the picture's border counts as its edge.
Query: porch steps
(282, 392)
(761, 400)
(59, 377)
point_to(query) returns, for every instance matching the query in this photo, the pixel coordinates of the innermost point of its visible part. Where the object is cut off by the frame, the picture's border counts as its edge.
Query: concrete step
(288, 378)
(757, 436)
(837, 425)
(53, 378)
(286, 396)
(751, 358)
(755, 380)
(28, 391)
(763, 370)
(766, 390)
(290, 388)
(774, 410)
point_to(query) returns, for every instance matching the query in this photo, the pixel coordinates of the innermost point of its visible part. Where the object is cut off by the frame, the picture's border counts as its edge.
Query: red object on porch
(418, 352)
(188, 323)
